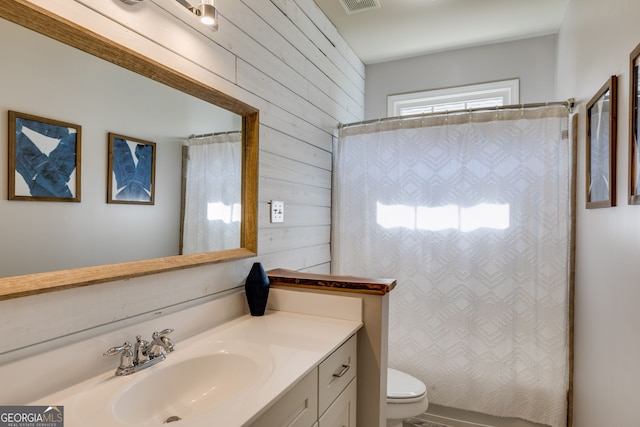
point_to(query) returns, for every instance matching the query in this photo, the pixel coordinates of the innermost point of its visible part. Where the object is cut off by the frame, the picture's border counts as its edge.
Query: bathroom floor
(414, 422)
(440, 416)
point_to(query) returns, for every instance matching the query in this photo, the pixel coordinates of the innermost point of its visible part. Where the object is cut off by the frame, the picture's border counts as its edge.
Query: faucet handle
(126, 357)
(166, 342)
(162, 333)
(124, 348)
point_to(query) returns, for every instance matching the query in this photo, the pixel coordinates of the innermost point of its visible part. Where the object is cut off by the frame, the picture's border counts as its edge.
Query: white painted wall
(594, 43)
(269, 54)
(533, 61)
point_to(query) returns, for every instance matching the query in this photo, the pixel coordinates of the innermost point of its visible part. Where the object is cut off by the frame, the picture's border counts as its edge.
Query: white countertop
(289, 344)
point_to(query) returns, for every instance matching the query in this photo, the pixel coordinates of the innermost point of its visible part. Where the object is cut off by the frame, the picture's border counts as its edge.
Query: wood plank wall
(280, 56)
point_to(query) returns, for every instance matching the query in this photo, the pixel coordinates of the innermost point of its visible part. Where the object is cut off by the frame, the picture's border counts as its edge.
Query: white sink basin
(177, 389)
(184, 389)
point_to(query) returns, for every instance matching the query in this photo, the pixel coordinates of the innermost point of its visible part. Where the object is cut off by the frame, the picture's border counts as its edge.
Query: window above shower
(484, 95)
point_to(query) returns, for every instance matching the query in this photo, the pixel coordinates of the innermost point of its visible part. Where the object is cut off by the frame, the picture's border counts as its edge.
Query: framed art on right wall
(601, 146)
(634, 166)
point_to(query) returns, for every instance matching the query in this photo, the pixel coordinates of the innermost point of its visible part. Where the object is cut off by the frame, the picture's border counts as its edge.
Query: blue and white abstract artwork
(132, 170)
(44, 156)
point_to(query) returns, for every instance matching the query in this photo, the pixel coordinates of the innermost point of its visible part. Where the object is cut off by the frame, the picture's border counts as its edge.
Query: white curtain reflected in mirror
(211, 204)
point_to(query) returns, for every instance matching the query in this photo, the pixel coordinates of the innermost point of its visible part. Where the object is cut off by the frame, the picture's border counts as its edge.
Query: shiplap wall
(280, 56)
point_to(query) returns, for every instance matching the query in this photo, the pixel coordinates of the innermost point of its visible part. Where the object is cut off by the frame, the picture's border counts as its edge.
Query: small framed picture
(44, 159)
(634, 165)
(131, 170)
(601, 146)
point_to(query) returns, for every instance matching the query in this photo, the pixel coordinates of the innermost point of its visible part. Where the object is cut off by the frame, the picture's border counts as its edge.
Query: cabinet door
(336, 372)
(342, 413)
(298, 408)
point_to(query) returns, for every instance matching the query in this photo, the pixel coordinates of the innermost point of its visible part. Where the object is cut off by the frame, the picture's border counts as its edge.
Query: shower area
(473, 213)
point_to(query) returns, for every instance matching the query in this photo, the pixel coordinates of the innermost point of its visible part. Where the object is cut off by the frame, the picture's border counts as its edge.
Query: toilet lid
(402, 386)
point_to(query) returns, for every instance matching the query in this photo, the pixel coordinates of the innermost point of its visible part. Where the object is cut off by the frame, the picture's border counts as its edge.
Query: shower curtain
(211, 199)
(472, 214)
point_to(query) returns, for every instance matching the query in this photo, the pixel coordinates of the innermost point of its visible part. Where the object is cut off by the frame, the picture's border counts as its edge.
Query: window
(505, 92)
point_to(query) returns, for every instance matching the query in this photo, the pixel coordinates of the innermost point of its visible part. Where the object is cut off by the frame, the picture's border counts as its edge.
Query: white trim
(404, 104)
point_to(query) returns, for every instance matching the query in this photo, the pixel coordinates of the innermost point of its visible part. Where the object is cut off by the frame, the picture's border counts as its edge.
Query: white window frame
(507, 90)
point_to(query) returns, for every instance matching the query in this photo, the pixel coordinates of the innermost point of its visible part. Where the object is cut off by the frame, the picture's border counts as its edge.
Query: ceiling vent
(353, 6)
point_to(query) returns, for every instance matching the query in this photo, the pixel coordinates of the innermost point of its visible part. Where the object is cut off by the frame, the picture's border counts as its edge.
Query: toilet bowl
(406, 397)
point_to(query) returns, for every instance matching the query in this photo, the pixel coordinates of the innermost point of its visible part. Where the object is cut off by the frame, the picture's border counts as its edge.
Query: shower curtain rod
(204, 135)
(569, 103)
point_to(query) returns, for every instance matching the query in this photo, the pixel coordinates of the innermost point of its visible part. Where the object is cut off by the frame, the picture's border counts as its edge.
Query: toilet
(406, 397)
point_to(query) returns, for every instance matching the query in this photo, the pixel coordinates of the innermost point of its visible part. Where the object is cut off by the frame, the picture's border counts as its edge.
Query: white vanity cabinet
(337, 387)
(298, 408)
(326, 397)
(342, 412)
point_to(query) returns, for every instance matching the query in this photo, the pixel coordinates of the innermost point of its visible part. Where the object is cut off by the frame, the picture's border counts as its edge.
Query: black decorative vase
(257, 289)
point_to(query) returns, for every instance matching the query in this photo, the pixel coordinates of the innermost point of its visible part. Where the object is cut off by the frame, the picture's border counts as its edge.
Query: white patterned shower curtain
(212, 193)
(472, 214)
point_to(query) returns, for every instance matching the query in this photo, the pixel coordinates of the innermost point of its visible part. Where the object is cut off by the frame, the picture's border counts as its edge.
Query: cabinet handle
(343, 371)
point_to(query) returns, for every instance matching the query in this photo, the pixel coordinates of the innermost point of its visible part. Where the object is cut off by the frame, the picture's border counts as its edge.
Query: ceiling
(405, 28)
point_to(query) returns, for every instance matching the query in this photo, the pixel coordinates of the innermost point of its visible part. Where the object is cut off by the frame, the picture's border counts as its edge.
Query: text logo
(31, 416)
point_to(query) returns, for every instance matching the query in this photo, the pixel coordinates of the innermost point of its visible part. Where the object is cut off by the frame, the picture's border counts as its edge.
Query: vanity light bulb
(208, 13)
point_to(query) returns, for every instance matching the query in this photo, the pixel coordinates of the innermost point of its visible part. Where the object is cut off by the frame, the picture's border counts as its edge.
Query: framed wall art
(634, 166)
(131, 170)
(601, 146)
(44, 159)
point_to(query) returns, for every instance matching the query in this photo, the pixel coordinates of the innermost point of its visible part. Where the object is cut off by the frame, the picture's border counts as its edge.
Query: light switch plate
(277, 211)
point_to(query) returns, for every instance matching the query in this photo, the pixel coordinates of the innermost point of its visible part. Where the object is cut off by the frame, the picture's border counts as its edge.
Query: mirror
(195, 109)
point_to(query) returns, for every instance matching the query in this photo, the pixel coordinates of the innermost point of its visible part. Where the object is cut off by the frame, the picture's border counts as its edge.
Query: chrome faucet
(144, 353)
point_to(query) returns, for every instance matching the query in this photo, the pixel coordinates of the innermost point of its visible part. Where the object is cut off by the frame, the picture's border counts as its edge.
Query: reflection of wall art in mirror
(601, 146)
(131, 170)
(44, 159)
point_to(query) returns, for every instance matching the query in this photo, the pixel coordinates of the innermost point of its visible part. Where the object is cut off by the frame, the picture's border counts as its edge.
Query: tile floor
(414, 422)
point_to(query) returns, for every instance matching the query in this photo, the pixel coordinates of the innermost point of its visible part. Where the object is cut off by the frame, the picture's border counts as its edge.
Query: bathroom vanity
(249, 371)
(307, 362)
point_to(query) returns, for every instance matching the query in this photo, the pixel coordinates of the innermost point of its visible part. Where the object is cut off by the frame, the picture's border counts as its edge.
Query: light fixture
(206, 10)
(208, 13)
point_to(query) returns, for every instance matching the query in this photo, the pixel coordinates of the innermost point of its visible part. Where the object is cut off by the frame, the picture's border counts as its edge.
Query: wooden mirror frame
(44, 22)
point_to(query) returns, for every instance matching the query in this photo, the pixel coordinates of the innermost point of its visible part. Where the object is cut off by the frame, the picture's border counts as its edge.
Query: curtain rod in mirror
(204, 135)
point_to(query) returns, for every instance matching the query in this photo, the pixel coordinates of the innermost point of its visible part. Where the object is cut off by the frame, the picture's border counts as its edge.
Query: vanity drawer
(342, 412)
(298, 408)
(335, 373)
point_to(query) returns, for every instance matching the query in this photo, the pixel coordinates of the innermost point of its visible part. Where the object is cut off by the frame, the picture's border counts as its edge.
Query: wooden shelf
(283, 277)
